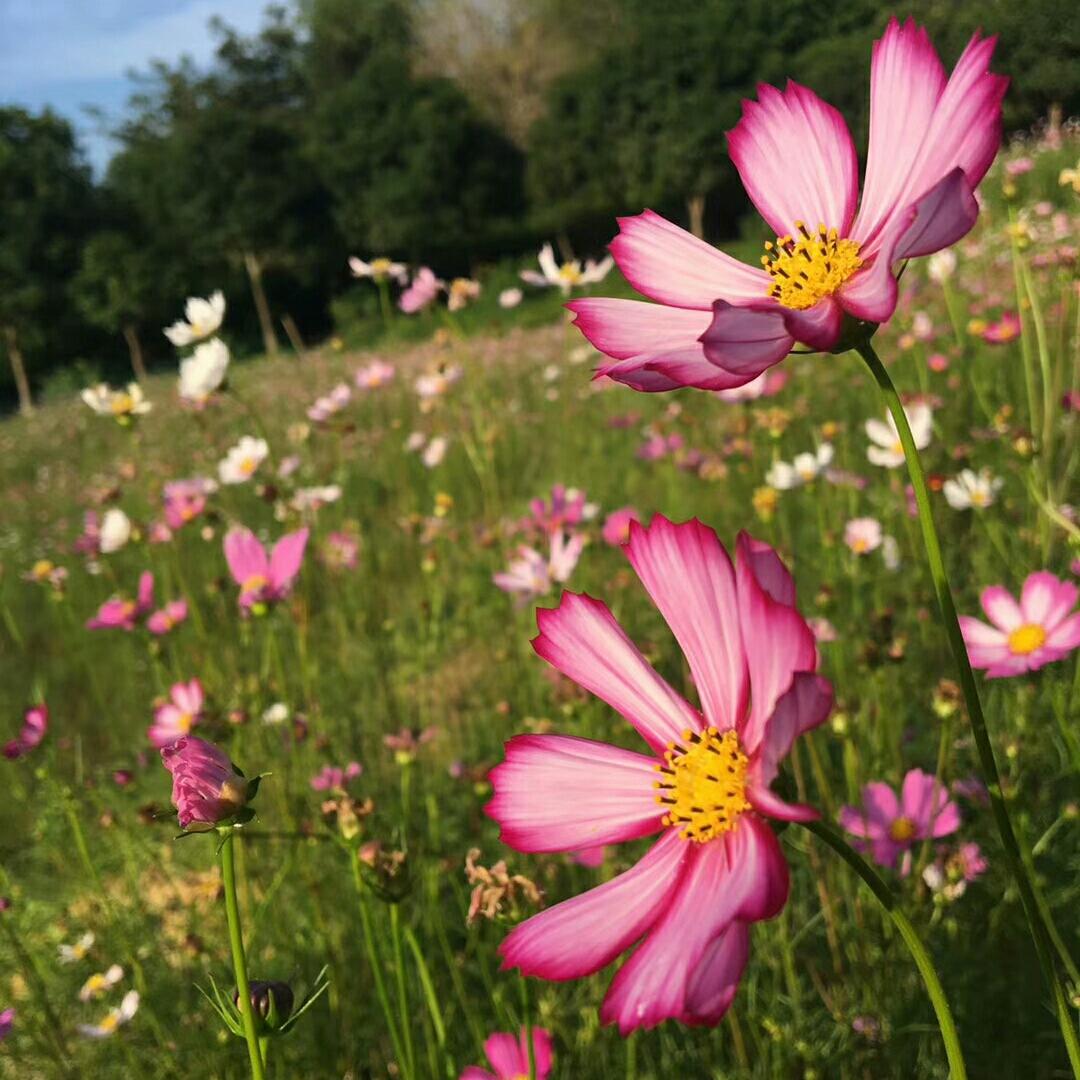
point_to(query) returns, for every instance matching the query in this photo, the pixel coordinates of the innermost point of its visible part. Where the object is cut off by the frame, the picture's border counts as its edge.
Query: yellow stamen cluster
(704, 784)
(255, 583)
(902, 830)
(1024, 640)
(807, 269)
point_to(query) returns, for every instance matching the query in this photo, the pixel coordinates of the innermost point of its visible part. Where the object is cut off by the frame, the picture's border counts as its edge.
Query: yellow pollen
(380, 266)
(979, 498)
(1025, 639)
(570, 272)
(704, 784)
(859, 546)
(807, 269)
(255, 583)
(902, 830)
(110, 1023)
(248, 465)
(122, 404)
(42, 569)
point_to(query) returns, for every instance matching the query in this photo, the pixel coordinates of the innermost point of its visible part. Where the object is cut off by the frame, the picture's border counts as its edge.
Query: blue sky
(72, 53)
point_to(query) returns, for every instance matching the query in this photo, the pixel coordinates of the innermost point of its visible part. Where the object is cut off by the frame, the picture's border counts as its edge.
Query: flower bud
(272, 1003)
(208, 790)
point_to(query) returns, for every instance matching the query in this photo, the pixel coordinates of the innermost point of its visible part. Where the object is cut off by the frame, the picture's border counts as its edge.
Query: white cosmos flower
(99, 982)
(378, 269)
(886, 449)
(115, 530)
(510, 298)
(312, 498)
(972, 490)
(203, 371)
(240, 463)
(567, 275)
(69, 954)
(941, 265)
(890, 553)
(114, 1018)
(201, 319)
(435, 451)
(119, 404)
(805, 469)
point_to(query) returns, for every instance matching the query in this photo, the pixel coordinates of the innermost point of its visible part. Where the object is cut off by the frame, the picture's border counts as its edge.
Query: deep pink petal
(287, 556)
(765, 801)
(802, 707)
(504, 1053)
(1001, 609)
(583, 934)
(746, 340)
(712, 985)
(582, 640)
(636, 374)
(690, 367)
(1045, 600)
(562, 793)
(145, 595)
(668, 264)
(769, 569)
(625, 328)
(246, 556)
(778, 643)
(925, 801)
(944, 214)
(474, 1072)
(796, 160)
(818, 326)
(880, 808)
(688, 574)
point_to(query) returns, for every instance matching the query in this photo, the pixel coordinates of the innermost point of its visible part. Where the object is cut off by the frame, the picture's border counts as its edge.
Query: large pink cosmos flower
(1042, 628)
(35, 724)
(888, 827)
(119, 613)
(264, 579)
(509, 1057)
(717, 866)
(719, 323)
(173, 719)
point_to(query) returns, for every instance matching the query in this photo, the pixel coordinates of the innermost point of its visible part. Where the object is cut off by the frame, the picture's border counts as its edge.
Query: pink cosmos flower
(719, 323)
(863, 535)
(376, 374)
(889, 827)
(332, 776)
(167, 618)
(704, 785)
(35, 724)
(509, 1057)
(616, 529)
(207, 788)
(566, 508)
(173, 719)
(119, 613)
(1042, 628)
(1006, 329)
(185, 500)
(7, 1022)
(89, 540)
(422, 291)
(341, 550)
(531, 574)
(263, 579)
(951, 871)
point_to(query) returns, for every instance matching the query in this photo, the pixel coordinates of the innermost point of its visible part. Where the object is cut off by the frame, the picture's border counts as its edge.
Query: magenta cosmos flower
(173, 719)
(208, 789)
(888, 827)
(509, 1057)
(719, 323)
(717, 866)
(1042, 628)
(35, 724)
(119, 613)
(264, 579)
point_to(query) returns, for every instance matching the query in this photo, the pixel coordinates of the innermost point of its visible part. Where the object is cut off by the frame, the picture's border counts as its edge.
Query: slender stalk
(526, 1005)
(885, 897)
(402, 992)
(988, 762)
(236, 942)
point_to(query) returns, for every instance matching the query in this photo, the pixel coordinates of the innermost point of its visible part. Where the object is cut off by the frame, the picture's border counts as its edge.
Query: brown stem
(131, 336)
(254, 269)
(18, 369)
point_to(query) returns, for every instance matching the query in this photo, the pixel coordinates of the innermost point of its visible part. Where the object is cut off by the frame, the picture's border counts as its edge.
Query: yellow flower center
(42, 569)
(255, 583)
(122, 404)
(570, 273)
(110, 1023)
(184, 721)
(1025, 639)
(380, 266)
(248, 465)
(95, 984)
(704, 784)
(902, 830)
(860, 546)
(979, 498)
(807, 270)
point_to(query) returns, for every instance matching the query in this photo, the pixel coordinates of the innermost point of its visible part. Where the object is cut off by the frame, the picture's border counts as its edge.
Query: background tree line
(450, 132)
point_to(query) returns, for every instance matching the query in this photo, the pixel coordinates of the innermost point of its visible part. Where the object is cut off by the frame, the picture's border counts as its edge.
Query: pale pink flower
(705, 785)
(509, 1057)
(35, 724)
(1042, 628)
(333, 776)
(375, 375)
(616, 529)
(434, 452)
(263, 579)
(434, 384)
(531, 574)
(173, 719)
(167, 618)
(1006, 329)
(510, 298)
(119, 613)
(421, 292)
(379, 269)
(719, 323)
(185, 500)
(863, 535)
(888, 827)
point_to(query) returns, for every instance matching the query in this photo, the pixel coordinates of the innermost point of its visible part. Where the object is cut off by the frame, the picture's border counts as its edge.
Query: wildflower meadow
(658, 658)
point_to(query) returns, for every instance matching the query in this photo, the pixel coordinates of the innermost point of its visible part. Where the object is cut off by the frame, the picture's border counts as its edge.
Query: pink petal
(690, 367)
(713, 984)
(145, 595)
(542, 1052)
(765, 801)
(746, 340)
(625, 328)
(1001, 609)
(245, 555)
(943, 215)
(504, 1053)
(1045, 600)
(778, 643)
(796, 160)
(818, 326)
(688, 574)
(287, 556)
(636, 374)
(880, 808)
(769, 569)
(1065, 636)
(668, 264)
(474, 1072)
(561, 793)
(977, 635)
(582, 640)
(804, 706)
(925, 801)
(582, 935)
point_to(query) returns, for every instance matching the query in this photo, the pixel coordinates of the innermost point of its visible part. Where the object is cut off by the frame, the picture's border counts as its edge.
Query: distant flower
(119, 613)
(167, 618)
(890, 552)
(1006, 329)
(201, 319)
(341, 550)
(7, 1022)
(941, 265)
(566, 508)
(122, 405)
(35, 724)
(207, 789)
(434, 384)
(937, 362)
(972, 490)
(186, 499)
(531, 574)
(1042, 628)
(824, 631)
(240, 463)
(406, 743)
(115, 530)
(203, 371)
(422, 291)
(330, 777)
(175, 718)
(616, 529)
(375, 375)
(1070, 178)
(379, 269)
(509, 1057)
(263, 579)
(888, 827)
(886, 449)
(1019, 166)
(951, 871)
(863, 535)
(113, 1019)
(310, 499)
(330, 404)
(805, 469)
(46, 572)
(434, 452)
(100, 982)
(510, 298)
(567, 275)
(461, 292)
(72, 954)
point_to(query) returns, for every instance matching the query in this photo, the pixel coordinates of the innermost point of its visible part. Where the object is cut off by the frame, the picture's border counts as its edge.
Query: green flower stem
(990, 774)
(236, 941)
(526, 1006)
(887, 899)
(404, 1015)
